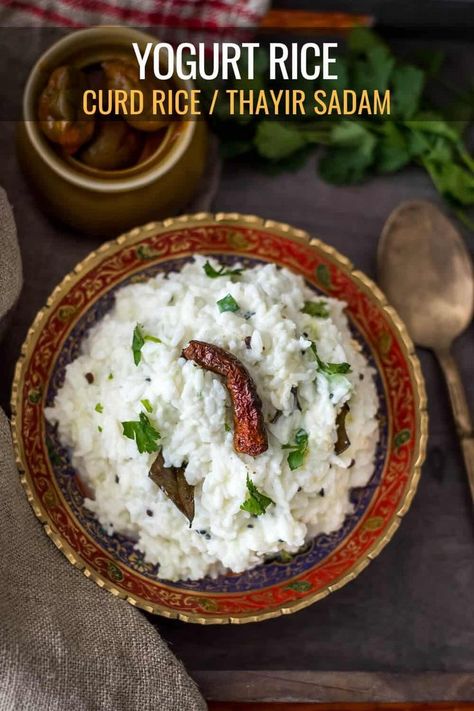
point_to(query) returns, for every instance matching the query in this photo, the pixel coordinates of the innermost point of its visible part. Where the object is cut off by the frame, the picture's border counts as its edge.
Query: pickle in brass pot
(60, 110)
(151, 145)
(124, 75)
(114, 147)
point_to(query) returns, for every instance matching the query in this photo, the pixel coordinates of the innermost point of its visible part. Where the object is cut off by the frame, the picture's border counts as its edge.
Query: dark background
(422, 17)
(412, 609)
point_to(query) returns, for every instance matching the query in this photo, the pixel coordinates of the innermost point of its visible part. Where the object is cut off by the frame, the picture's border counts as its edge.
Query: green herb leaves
(329, 368)
(333, 368)
(138, 341)
(222, 272)
(299, 449)
(351, 153)
(147, 405)
(410, 134)
(228, 303)
(256, 503)
(276, 141)
(318, 309)
(143, 432)
(287, 142)
(407, 88)
(137, 344)
(355, 148)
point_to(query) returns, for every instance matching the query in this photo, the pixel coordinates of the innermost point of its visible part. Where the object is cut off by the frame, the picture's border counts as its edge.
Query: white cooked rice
(191, 407)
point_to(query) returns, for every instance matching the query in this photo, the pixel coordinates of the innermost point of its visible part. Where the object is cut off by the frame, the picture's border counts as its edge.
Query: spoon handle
(460, 408)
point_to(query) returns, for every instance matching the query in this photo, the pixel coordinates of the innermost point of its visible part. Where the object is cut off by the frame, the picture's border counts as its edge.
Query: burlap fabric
(10, 263)
(64, 643)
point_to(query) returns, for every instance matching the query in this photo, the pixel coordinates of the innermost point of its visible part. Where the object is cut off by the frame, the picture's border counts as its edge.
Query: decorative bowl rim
(363, 283)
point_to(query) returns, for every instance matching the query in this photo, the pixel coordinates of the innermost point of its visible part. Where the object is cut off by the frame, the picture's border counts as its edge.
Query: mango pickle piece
(60, 110)
(114, 147)
(124, 75)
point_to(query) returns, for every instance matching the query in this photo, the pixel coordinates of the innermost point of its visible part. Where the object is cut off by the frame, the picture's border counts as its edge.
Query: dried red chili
(250, 436)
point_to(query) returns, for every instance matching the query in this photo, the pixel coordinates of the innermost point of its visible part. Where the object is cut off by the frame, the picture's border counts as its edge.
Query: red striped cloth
(189, 14)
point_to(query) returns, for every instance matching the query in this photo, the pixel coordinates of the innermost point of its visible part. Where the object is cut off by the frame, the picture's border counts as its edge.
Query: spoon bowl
(426, 271)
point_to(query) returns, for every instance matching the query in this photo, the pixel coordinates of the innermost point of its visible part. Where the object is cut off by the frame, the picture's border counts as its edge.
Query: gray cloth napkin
(64, 643)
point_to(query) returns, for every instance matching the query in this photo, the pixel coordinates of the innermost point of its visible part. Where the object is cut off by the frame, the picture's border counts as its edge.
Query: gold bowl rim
(363, 283)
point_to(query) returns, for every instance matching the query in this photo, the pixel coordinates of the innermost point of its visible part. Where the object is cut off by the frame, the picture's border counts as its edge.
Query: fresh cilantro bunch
(356, 148)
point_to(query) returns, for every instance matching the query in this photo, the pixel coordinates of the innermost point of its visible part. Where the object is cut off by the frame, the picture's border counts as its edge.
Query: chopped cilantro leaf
(228, 303)
(215, 273)
(100, 428)
(301, 437)
(334, 368)
(299, 449)
(111, 376)
(296, 459)
(227, 427)
(256, 503)
(137, 344)
(99, 408)
(317, 309)
(329, 368)
(147, 405)
(143, 432)
(138, 341)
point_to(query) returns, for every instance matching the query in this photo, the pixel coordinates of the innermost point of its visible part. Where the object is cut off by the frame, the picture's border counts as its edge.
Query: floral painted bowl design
(281, 585)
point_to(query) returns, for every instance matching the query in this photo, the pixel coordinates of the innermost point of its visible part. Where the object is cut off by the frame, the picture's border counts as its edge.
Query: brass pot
(107, 202)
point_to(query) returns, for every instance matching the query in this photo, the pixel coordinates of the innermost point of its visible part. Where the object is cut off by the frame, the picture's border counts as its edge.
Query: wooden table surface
(225, 706)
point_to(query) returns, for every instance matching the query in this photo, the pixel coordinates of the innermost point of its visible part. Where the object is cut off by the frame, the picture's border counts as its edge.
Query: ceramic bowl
(107, 202)
(281, 585)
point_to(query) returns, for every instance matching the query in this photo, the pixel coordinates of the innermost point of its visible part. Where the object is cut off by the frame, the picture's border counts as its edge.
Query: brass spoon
(426, 272)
